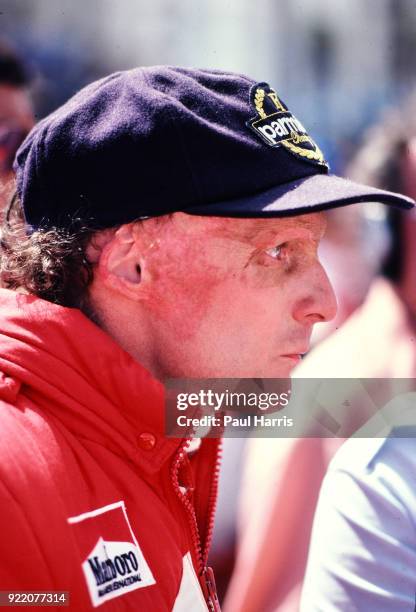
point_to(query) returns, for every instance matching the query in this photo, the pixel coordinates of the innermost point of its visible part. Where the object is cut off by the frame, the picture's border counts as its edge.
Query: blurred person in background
(377, 340)
(16, 113)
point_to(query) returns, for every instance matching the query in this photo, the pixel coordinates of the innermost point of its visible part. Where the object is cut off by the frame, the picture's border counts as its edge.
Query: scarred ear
(119, 265)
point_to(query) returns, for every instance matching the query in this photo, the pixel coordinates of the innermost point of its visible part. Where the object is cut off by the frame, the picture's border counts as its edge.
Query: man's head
(192, 200)
(16, 110)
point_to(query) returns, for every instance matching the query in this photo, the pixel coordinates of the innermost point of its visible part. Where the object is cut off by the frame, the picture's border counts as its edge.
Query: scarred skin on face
(216, 297)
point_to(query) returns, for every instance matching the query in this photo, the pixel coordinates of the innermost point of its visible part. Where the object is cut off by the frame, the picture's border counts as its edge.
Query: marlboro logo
(115, 565)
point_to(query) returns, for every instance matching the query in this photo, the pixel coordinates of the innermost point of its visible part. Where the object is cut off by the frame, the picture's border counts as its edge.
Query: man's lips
(296, 357)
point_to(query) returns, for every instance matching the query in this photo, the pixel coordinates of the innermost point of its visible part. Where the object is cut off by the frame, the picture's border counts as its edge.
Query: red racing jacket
(94, 500)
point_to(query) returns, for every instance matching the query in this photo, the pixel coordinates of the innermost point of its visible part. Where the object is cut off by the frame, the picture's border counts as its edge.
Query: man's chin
(285, 366)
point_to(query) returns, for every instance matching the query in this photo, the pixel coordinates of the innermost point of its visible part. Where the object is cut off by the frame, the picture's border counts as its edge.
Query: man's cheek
(182, 304)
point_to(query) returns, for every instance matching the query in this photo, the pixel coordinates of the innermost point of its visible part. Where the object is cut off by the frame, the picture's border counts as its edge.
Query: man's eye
(276, 252)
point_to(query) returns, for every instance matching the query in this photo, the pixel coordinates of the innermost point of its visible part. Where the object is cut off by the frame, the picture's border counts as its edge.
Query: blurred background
(340, 65)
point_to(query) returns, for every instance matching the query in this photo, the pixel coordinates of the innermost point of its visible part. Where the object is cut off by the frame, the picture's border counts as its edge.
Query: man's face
(233, 297)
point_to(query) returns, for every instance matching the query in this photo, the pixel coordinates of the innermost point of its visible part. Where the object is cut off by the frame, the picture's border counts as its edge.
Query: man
(16, 113)
(177, 212)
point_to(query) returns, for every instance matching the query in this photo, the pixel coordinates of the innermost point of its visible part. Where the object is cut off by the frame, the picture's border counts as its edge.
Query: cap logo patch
(276, 125)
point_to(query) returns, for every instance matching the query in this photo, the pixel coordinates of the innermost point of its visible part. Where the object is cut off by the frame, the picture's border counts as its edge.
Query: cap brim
(311, 194)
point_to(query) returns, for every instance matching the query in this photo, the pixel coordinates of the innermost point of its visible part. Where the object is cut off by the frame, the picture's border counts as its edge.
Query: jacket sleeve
(363, 551)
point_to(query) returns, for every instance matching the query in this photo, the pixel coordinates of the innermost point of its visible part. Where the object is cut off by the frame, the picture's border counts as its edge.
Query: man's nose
(317, 302)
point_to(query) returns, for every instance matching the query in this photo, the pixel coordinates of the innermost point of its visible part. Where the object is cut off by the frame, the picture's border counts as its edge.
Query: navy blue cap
(151, 141)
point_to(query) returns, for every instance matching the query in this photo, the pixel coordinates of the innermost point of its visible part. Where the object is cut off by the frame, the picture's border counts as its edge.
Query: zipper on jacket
(212, 503)
(210, 590)
(205, 574)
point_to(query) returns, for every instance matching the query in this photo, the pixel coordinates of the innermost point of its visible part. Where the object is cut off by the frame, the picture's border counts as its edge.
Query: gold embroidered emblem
(276, 125)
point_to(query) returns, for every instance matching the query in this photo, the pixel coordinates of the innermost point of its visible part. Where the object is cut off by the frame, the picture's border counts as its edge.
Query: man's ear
(119, 265)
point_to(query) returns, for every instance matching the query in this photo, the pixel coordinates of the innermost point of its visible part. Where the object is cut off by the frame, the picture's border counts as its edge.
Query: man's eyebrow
(286, 231)
(241, 229)
(266, 230)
